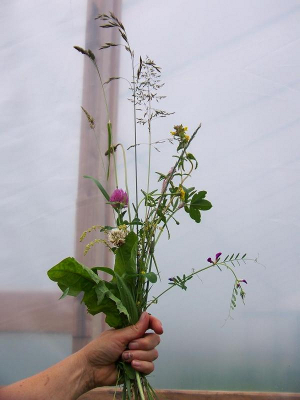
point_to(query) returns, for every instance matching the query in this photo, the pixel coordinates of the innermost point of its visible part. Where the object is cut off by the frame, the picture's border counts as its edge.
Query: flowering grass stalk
(133, 238)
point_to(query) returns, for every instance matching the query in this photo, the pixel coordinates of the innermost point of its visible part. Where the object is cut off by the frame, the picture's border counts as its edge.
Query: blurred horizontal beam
(36, 312)
(166, 394)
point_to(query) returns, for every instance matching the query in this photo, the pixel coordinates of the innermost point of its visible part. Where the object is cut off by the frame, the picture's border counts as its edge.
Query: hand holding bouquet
(139, 220)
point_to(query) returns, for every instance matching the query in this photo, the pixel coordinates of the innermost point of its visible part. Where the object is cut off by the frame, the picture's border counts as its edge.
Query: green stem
(126, 182)
(149, 145)
(105, 100)
(168, 181)
(197, 272)
(139, 383)
(135, 141)
(171, 286)
(115, 168)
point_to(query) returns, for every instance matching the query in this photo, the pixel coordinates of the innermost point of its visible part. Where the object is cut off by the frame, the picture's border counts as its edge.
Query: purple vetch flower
(172, 279)
(239, 282)
(218, 255)
(119, 198)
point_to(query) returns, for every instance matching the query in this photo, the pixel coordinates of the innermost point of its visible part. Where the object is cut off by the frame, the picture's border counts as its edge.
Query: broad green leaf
(199, 202)
(205, 205)
(113, 317)
(102, 291)
(101, 188)
(70, 273)
(103, 269)
(125, 262)
(127, 299)
(71, 292)
(197, 198)
(195, 214)
(151, 276)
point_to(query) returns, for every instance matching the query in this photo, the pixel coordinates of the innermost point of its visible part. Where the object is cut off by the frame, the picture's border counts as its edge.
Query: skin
(94, 365)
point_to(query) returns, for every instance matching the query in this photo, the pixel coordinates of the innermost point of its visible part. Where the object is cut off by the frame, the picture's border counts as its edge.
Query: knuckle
(135, 328)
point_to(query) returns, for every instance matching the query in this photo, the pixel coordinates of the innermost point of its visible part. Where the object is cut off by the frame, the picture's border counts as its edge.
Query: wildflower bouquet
(139, 221)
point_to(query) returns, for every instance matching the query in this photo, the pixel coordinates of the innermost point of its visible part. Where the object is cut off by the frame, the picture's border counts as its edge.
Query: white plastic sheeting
(232, 65)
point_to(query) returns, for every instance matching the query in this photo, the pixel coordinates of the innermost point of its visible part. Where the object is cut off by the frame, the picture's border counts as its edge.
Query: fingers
(148, 342)
(140, 355)
(155, 325)
(145, 367)
(141, 350)
(133, 332)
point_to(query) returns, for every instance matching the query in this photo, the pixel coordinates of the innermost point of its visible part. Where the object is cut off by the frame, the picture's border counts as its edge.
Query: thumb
(135, 331)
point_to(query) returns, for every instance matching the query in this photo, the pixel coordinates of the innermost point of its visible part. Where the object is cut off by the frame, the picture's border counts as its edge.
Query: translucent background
(232, 65)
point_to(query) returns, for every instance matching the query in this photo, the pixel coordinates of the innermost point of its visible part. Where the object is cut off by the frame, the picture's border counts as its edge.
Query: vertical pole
(91, 208)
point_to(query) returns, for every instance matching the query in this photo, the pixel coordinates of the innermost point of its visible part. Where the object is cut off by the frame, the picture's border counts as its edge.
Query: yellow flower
(187, 138)
(185, 128)
(173, 133)
(181, 192)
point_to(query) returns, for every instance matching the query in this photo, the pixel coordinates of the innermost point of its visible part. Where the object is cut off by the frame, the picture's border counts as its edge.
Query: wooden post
(91, 208)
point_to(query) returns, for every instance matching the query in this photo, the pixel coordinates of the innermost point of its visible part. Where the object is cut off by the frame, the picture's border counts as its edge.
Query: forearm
(66, 380)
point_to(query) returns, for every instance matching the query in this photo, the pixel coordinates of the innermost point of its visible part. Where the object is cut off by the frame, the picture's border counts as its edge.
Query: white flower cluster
(117, 236)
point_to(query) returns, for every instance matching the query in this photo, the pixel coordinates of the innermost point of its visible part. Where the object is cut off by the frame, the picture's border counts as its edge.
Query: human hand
(131, 343)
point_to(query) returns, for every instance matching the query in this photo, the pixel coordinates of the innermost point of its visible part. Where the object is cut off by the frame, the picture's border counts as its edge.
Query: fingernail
(133, 345)
(143, 316)
(127, 355)
(136, 363)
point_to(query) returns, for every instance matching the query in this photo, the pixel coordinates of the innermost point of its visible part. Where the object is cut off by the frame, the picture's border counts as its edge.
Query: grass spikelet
(92, 228)
(95, 241)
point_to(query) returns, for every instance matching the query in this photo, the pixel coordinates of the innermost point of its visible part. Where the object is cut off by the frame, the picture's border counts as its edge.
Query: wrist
(86, 381)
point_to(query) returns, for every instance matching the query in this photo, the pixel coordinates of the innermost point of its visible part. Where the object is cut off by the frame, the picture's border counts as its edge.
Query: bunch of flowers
(139, 222)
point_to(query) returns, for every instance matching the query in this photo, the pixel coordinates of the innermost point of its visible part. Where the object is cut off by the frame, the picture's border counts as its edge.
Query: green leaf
(101, 188)
(151, 276)
(205, 205)
(125, 262)
(197, 198)
(65, 293)
(199, 202)
(70, 273)
(190, 156)
(195, 214)
(127, 299)
(113, 317)
(102, 291)
(71, 292)
(103, 269)
(129, 371)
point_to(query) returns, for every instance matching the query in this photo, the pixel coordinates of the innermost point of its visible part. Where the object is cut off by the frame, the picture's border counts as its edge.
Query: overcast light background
(234, 67)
